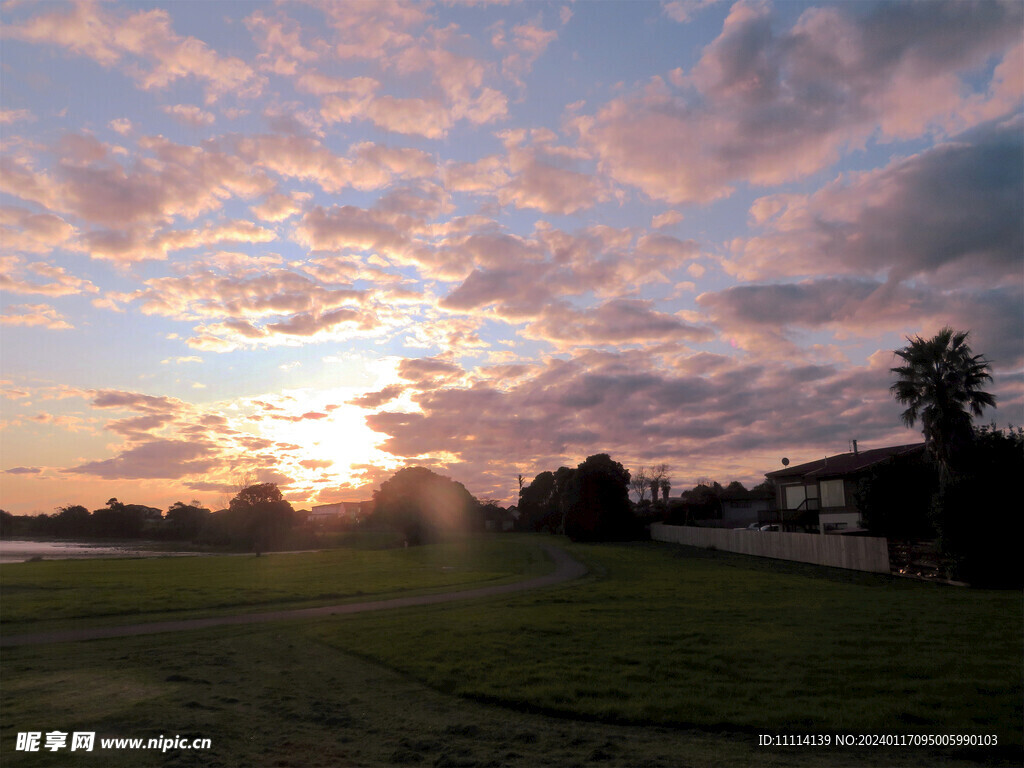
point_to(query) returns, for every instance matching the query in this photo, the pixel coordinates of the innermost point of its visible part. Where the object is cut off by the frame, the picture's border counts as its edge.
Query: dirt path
(566, 569)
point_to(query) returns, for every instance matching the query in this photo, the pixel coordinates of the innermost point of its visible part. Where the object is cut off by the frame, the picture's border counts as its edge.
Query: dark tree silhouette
(260, 517)
(119, 521)
(567, 493)
(977, 512)
(185, 521)
(940, 383)
(538, 504)
(72, 520)
(423, 505)
(600, 509)
(895, 497)
(639, 482)
(7, 524)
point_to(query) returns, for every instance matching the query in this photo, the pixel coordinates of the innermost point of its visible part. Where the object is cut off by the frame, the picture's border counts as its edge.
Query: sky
(311, 243)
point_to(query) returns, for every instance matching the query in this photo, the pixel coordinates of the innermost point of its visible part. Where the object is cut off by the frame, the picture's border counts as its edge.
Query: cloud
(137, 245)
(367, 166)
(764, 106)
(155, 459)
(767, 317)
(27, 232)
(23, 471)
(142, 43)
(731, 418)
(684, 10)
(527, 43)
(618, 323)
(166, 180)
(947, 215)
(35, 315)
(190, 115)
(349, 228)
(9, 116)
(21, 277)
(378, 398)
(310, 324)
(541, 180)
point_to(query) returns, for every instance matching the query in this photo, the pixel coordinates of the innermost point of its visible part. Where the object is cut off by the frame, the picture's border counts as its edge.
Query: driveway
(566, 569)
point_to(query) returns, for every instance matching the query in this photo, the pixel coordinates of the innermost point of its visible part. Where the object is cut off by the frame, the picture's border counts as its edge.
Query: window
(795, 495)
(832, 493)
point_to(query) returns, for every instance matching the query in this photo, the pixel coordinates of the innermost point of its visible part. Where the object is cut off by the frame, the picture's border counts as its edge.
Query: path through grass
(45, 595)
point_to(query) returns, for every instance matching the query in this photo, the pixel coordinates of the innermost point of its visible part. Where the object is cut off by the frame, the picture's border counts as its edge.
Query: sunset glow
(312, 243)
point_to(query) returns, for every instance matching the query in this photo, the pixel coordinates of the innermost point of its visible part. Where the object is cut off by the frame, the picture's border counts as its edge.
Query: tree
(118, 521)
(6, 524)
(895, 497)
(639, 482)
(567, 492)
(658, 477)
(600, 510)
(185, 521)
(423, 505)
(977, 515)
(538, 504)
(72, 520)
(259, 516)
(940, 383)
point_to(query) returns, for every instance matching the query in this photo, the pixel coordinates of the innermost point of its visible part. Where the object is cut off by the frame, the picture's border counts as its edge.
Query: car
(770, 528)
(751, 527)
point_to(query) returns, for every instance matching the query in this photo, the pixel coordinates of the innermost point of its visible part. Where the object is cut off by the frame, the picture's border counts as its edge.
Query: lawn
(663, 656)
(57, 593)
(681, 637)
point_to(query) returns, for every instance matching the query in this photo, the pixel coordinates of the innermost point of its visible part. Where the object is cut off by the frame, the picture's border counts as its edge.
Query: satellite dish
(785, 461)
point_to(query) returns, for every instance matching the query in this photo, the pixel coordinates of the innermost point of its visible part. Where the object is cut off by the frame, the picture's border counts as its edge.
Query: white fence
(857, 553)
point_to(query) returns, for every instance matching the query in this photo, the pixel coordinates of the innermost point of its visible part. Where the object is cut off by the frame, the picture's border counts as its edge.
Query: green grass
(672, 636)
(49, 594)
(663, 656)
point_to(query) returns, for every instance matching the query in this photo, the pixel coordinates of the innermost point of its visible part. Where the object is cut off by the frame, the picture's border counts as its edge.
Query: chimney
(855, 448)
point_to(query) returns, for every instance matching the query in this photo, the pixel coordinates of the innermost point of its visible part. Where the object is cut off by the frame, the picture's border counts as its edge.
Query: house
(822, 494)
(340, 512)
(741, 507)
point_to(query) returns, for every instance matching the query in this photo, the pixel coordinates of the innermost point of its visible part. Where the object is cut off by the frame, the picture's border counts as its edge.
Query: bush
(977, 514)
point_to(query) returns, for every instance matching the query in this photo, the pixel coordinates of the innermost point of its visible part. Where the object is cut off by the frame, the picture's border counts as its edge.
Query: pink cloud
(349, 227)
(190, 115)
(618, 322)
(730, 418)
(947, 215)
(28, 232)
(156, 459)
(35, 316)
(768, 107)
(156, 55)
(21, 277)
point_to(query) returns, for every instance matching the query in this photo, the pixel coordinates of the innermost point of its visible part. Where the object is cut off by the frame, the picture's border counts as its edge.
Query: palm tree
(940, 383)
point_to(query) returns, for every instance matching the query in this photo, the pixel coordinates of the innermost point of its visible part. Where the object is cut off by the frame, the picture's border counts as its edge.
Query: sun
(320, 436)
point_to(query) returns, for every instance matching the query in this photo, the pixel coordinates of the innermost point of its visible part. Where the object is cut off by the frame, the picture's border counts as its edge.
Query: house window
(795, 495)
(832, 493)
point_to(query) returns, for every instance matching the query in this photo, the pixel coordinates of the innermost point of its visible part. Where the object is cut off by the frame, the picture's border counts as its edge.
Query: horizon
(312, 245)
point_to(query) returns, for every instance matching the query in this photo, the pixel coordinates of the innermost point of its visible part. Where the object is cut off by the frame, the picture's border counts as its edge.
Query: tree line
(587, 503)
(257, 518)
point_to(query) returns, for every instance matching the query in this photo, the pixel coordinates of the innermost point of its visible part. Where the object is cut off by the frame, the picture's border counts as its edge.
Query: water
(18, 551)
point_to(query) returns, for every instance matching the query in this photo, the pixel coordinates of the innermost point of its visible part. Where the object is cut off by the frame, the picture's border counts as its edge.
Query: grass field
(49, 594)
(663, 656)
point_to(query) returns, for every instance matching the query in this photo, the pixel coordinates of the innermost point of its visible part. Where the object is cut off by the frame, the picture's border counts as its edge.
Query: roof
(845, 463)
(745, 495)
